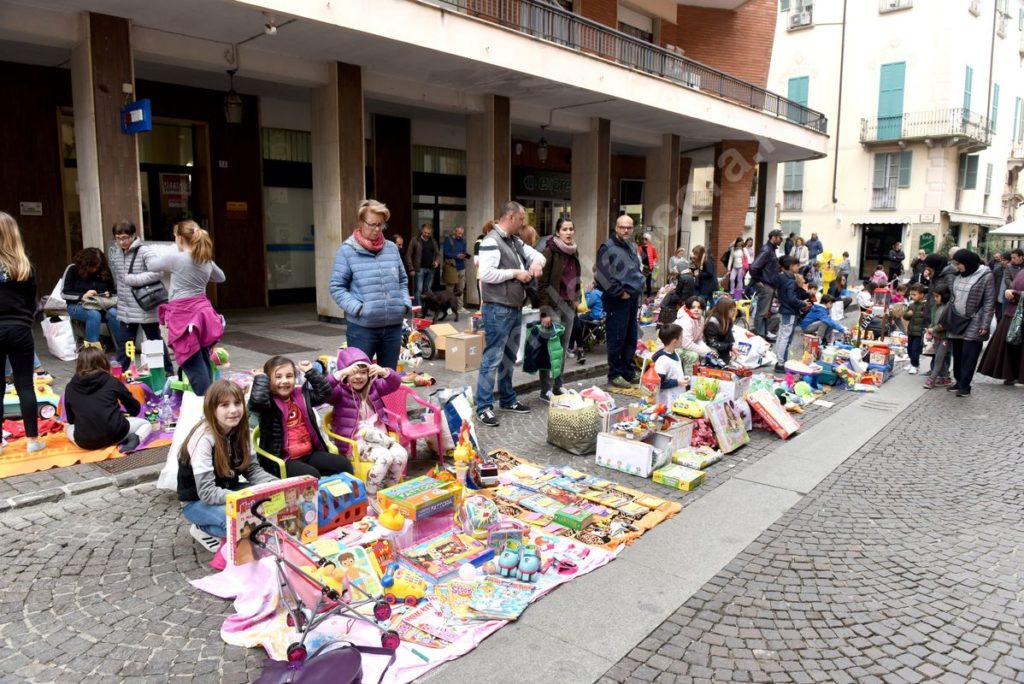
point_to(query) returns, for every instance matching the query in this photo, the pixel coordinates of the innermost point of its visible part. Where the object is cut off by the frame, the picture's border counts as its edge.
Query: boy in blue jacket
(790, 306)
(817, 320)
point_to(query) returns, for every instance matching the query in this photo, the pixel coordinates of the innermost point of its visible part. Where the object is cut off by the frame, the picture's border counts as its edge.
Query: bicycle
(416, 337)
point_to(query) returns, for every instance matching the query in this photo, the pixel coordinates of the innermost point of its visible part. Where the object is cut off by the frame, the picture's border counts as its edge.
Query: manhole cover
(139, 459)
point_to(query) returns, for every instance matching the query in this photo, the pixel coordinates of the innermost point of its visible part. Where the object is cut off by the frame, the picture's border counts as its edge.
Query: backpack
(725, 257)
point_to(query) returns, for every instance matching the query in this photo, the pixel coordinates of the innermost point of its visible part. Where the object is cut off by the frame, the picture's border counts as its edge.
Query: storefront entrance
(543, 214)
(877, 240)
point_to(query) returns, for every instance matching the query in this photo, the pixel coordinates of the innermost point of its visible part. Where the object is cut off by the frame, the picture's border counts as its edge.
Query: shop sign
(176, 189)
(30, 208)
(541, 183)
(238, 210)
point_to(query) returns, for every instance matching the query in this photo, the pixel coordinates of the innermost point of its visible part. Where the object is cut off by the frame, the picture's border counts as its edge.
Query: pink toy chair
(397, 409)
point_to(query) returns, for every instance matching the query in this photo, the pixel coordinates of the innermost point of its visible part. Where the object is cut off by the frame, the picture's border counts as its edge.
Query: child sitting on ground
(289, 427)
(669, 309)
(818, 320)
(672, 364)
(916, 316)
(358, 391)
(938, 374)
(94, 399)
(213, 458)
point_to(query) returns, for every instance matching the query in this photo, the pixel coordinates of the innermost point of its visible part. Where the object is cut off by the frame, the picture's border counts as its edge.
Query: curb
(124, 480)
(150, 473)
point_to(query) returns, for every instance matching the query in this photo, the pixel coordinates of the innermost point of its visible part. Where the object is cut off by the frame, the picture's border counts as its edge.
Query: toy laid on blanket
(310, 583)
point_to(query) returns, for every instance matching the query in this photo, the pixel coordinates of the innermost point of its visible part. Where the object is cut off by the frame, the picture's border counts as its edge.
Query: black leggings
(317, 464)
(17, 343)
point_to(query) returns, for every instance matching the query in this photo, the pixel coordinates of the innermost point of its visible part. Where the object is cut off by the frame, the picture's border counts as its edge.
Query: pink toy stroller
(308, 600)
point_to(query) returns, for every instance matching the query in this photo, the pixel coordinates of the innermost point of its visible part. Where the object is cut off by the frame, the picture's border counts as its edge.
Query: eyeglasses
(382, 226)
(124, 238)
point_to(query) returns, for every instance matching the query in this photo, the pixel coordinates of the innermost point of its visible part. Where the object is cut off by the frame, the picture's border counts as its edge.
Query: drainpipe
(839, 109)
(991, 65)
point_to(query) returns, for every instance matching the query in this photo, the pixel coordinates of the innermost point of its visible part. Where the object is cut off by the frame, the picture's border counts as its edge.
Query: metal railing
(554, 24)
(884, 198)
(702, 199)
(893, 5)
(943, 123)
(1017, 151)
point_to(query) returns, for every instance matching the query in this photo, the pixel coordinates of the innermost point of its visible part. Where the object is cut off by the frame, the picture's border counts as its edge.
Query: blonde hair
(528, 235)
(372, 206)
(197, 238)
(12, 250)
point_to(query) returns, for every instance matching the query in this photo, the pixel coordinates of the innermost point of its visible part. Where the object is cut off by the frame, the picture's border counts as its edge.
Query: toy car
(46, 400)
(402, 585)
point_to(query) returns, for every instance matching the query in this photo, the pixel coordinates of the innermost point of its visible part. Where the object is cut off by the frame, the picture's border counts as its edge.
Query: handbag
(98, 302)
(150, 296)
(953, 323)
(573, 424)
(1014, 334)
(326, 665)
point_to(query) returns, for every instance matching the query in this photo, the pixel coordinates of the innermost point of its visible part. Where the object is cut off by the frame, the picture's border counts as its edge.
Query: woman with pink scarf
(559, 292)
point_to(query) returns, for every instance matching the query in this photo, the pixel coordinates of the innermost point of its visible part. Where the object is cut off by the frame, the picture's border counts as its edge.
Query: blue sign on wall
(136, 117)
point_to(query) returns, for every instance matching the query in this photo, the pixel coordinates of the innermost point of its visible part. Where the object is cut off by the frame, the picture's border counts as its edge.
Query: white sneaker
(207, 541)
(912, 371)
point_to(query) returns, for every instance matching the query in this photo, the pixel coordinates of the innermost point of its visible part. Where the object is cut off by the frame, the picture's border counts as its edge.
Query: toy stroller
(308, 609)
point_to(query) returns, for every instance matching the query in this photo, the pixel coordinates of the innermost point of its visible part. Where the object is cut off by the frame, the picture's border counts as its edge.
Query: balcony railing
(1017, 151)
(547, 22)
(884, 198)
(702, 199)
(971, 129)
(894, 5)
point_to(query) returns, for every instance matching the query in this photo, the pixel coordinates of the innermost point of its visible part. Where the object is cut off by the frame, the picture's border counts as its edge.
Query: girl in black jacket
(94, 400)
(289, 427)
(718, 328)
(88, 285)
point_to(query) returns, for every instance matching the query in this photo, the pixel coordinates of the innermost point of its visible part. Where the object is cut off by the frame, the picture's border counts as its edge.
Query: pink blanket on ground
(260, 618)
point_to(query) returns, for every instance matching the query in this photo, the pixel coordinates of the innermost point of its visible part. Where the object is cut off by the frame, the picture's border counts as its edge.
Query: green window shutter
(784, 5)
(961, 171)
(881, 160)
(995, 106)
(791, 226)
(890, 100)
(1015, 131)
(906, 159)
(988, 179)
(968, 78)
(971, 175)
(798, 88)
(798, 175)
(787, 176)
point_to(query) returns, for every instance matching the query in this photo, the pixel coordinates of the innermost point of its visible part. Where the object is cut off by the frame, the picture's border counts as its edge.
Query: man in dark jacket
(814, 247)
(791, 307)
(763, 273)
(424, 256)
(622, 282)
(895, 259)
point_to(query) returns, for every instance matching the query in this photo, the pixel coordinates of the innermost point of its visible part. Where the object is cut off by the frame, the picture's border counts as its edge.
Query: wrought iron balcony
(548, 22)
(1017, 152)
(702, 199)
(884, 198)
(962, 126)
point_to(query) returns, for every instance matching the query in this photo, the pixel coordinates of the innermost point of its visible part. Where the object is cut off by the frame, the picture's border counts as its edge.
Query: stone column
(488, 173)
(108, 160)
(685, 202)
(767, 180)
(591, 190)
(339, 180)
(661, 200)
(734, 173)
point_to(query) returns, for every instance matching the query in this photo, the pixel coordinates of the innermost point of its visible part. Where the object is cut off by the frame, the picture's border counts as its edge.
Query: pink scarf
(562, 247)
(374, 245)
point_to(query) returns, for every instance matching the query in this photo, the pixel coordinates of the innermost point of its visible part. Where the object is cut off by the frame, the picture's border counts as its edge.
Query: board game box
(290, 504)
(438, 559)
(421, 496)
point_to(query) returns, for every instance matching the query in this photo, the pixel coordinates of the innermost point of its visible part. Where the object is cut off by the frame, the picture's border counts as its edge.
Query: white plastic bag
(191, 412)
(456, 408)
(60, 338)
(55, 302)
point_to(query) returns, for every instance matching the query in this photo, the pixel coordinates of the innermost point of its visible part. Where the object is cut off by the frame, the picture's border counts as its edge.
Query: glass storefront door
(543, 214)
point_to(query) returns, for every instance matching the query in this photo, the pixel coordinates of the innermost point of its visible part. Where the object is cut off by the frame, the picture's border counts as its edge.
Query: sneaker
(929, 383)
(912, 370)
(43, 376)
(952, 387)
(779, 368)
(1011, 382)
(908, 367)
(620, 382)
(207, 541)
(558, 391)
(487, 417)
(129, 444)
(963, 393)
(943, 382)
(518, 407)
(546, 396)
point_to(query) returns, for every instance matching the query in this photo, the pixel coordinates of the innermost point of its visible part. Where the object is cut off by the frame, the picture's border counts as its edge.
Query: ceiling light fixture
(233, 104)
(270, 28)
(542, 147)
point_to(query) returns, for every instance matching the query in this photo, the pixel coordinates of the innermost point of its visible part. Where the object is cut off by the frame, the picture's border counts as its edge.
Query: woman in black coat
(704, 272)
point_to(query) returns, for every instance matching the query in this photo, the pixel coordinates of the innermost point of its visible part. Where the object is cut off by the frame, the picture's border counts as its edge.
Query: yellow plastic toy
(391, 518)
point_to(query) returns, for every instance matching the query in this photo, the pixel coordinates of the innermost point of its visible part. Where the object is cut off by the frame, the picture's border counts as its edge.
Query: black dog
(439, 302)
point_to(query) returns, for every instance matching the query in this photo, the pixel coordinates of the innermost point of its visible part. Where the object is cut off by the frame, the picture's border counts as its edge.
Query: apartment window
(632, 23)
(892, 171)
(995, 105)
(1020, 19)
(791, 227)
(968, 78)
(1015, 131)
(797, 92)
(988, 187)
(793, 186)
(784, 5)
(968, 171)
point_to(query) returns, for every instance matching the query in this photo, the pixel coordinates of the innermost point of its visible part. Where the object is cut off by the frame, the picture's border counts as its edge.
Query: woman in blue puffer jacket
(369, 282)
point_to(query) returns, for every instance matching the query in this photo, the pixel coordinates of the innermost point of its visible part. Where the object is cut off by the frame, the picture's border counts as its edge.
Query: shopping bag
(1013, 333)
(60, 338)
(190, 413)
(55, 302)
(573, 424)
(456, 408)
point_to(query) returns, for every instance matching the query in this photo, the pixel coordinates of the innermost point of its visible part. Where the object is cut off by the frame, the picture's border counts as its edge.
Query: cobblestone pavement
(903, 566)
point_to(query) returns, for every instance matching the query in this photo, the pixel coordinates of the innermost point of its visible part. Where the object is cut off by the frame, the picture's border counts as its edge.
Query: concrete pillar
(591, 190)
(734, 174)
(108, 160)
(488, 172)
(767, 180)
(685, 202)
(339, 179)
(661, 200)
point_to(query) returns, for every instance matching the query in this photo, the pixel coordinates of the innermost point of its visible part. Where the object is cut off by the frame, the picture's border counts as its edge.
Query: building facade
(273, 119)
(925, 100)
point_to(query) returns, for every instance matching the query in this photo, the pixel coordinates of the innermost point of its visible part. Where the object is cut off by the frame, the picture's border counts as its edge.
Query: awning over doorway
(978, 219)
(873, 219)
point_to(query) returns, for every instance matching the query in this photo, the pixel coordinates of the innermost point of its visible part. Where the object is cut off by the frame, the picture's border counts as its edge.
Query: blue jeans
(424, 280)
(36, 363)
(786, 330)
(211, 519)
(915, 343)
(385, 342)
(94, 320)
(197, 370)
(130, 331)
(623, 332)
(502, 328)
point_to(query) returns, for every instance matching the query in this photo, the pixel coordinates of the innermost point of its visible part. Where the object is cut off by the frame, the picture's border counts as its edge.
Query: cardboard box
(732, 384)
(628, 455)
(609, 418)
(421, 497)
(674, 438)
(680, 477)
(463, 352)
(769, 408)
(441, 331)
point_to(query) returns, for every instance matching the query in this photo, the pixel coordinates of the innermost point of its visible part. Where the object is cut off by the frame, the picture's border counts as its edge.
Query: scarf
(562, 247)
(695, 315)
(370, 245)
(969, 259)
